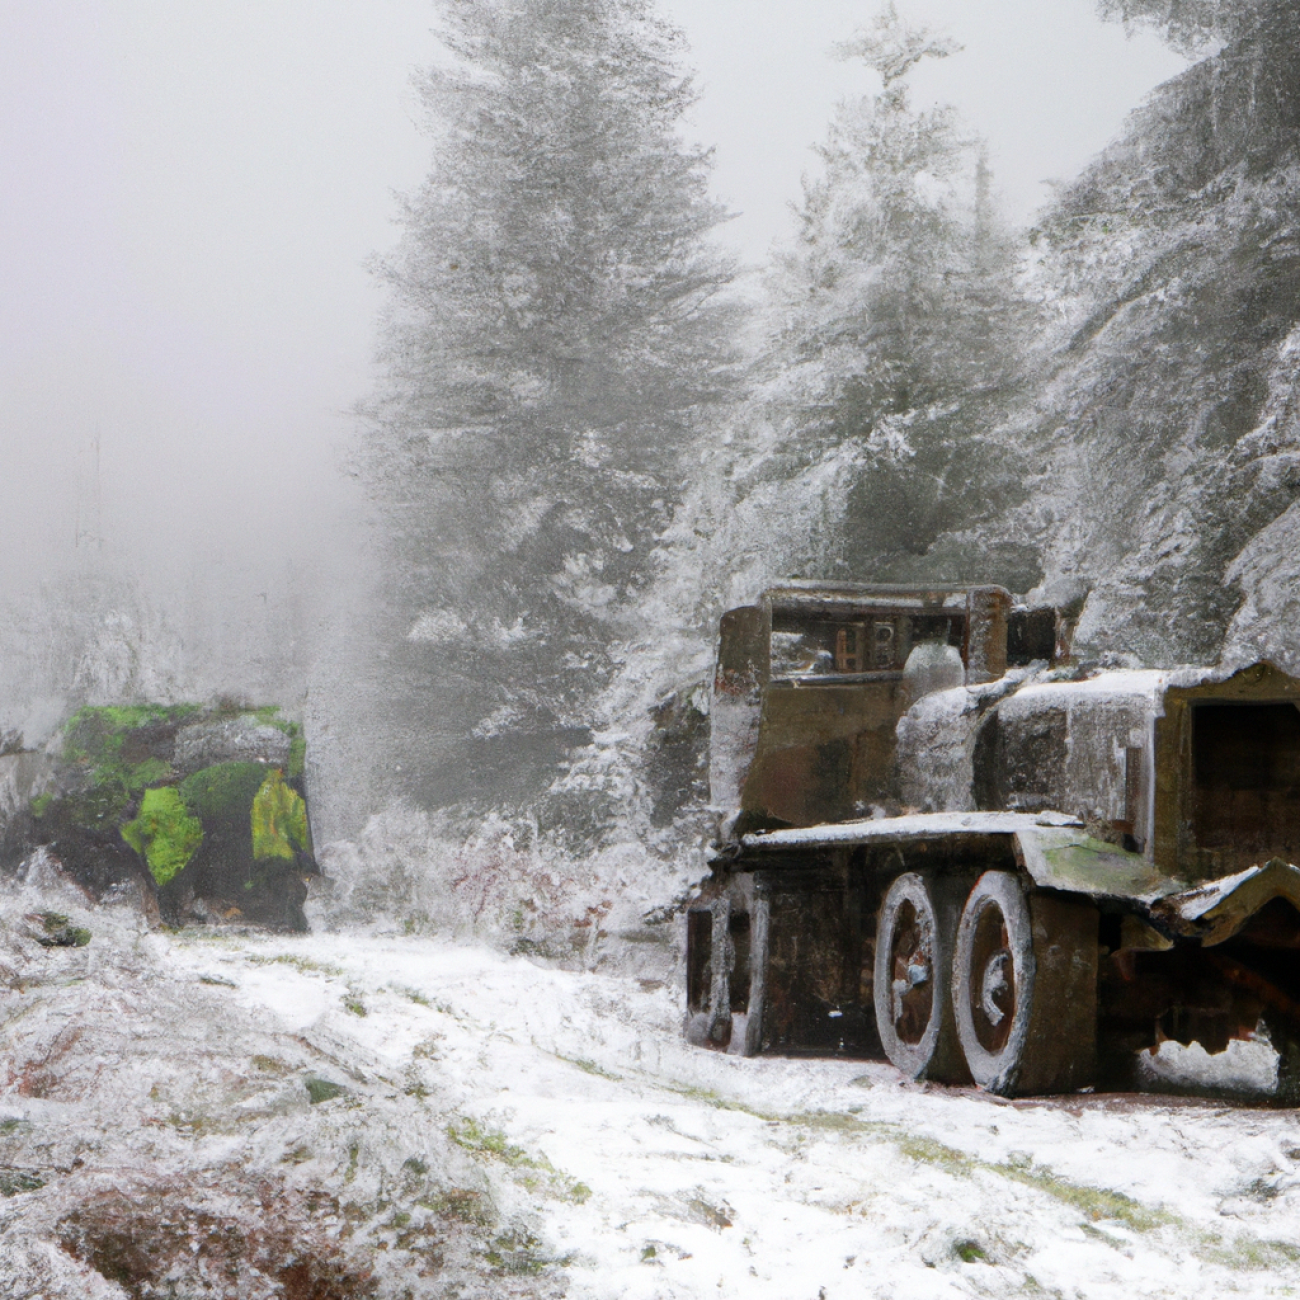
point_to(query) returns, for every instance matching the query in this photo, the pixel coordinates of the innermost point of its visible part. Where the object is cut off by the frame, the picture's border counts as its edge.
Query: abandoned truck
(946, 843)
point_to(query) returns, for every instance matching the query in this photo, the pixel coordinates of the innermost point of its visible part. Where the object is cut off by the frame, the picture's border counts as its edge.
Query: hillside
(1168, 420)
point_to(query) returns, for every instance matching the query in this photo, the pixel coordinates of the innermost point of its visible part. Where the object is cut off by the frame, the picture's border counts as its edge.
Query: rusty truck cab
(812, 680)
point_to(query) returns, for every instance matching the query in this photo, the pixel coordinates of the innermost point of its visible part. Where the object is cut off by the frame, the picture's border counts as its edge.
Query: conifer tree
(555, 338)
(899, 323)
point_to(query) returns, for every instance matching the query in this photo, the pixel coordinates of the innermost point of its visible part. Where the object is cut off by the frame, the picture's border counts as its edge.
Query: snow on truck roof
(809, 597)
(1113, 685)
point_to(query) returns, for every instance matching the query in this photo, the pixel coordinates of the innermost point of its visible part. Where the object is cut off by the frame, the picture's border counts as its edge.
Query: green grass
(59, 932)
(470, 1136)
(535, 1172)
(1249, 1253)
(304, 964)
(1095, 1203)
(270, 1065)
(13, 1182)
(589, 1067)
(461, 1204)
(519, 1253)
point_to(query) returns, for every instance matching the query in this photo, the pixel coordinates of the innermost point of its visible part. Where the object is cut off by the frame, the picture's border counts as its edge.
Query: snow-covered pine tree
(556, 335)
(899, 328)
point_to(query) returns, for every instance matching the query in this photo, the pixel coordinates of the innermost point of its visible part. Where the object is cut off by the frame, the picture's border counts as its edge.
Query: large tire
(1024, 988)
(911, 982)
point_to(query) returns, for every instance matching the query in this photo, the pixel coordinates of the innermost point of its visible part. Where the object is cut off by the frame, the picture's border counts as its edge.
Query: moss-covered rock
(201, 804)
(279, 820)
(164, 832)
(224, 790)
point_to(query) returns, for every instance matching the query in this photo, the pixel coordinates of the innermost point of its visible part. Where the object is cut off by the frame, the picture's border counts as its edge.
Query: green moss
(323, 1090)
(96, 735)
(59, 932)
(268, 715)
(97, 738)
(279, 819)
(13, 1182)
(40, 804)
(223, 790)
(164, 833)
(96, 808)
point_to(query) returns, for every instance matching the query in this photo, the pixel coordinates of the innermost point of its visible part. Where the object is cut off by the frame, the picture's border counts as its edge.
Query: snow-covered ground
(328, 1116)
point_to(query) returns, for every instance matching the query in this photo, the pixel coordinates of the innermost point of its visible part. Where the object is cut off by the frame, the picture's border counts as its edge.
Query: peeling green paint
(1063, 858)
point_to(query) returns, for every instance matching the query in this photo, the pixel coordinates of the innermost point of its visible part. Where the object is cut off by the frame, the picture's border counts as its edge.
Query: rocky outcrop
(200, 808)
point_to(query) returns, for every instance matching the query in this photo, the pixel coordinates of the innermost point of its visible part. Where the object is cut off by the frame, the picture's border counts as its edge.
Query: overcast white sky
(188, 192)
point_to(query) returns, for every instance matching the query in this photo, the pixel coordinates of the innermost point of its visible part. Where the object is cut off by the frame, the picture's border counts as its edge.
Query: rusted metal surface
(811, 682)
(1218, 810)
(1215, 912)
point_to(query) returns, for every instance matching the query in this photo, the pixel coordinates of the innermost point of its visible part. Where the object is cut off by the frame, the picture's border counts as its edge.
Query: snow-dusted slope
(504, 1129)
(1169, 421)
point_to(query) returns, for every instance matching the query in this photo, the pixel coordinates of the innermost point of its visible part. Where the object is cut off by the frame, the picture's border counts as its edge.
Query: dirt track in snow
(500, 1128)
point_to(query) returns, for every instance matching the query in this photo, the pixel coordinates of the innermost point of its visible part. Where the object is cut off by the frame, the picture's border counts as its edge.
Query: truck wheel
(1024, 988)
(911, 982)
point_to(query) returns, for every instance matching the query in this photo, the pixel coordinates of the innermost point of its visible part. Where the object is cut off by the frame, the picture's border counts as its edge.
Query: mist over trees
(591, 436)
(557, 336)
(577, 473)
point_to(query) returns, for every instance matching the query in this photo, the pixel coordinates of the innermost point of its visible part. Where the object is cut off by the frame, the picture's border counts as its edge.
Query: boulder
(199, 808)
(242, 739)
